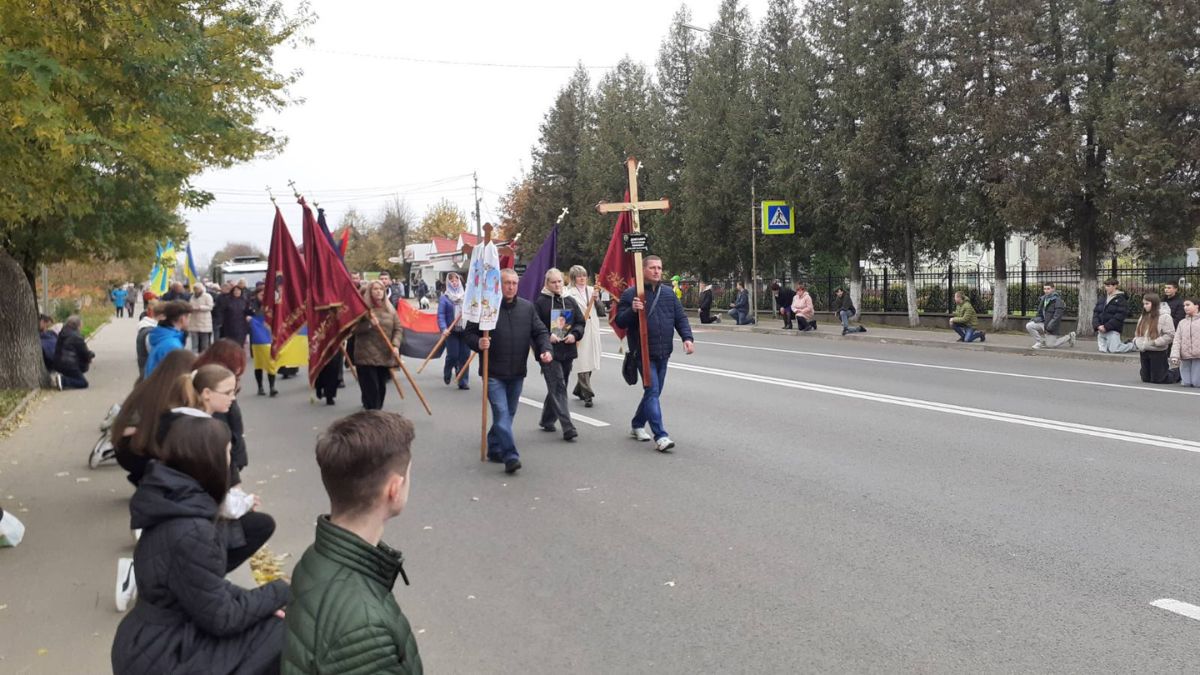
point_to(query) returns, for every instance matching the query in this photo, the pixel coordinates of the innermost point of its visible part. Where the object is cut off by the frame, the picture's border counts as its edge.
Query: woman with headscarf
(449, 322)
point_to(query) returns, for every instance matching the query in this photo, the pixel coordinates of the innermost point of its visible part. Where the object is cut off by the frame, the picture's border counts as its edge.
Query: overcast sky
(380, 120)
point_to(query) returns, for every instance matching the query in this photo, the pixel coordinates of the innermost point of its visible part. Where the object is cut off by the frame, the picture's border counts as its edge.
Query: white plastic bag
(11, 530)
(237, 504)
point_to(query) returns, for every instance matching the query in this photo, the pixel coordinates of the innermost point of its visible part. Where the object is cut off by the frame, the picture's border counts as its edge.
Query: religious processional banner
(482, 302)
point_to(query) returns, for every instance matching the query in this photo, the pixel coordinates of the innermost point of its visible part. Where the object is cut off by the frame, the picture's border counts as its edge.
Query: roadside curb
(20, 408)
(938, 344)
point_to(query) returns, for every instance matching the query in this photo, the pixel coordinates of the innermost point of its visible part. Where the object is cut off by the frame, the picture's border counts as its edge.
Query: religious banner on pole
(533, 278)
(333, 302)
(616, 272)
(482, 302)
(285, 306)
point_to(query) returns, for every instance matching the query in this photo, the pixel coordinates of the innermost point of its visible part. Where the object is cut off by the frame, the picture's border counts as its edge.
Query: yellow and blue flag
(189, 268)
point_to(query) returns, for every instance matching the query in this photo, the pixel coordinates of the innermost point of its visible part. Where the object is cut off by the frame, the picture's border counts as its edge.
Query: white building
(1018, 248)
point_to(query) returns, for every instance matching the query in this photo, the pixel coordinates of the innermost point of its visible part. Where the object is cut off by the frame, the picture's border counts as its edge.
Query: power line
(447, 62)
(379, 188)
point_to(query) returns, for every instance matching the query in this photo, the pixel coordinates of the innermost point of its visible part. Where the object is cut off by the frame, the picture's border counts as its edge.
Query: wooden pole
(400, 362)
(433, 351)
(465, 369)
(632, 165)
(353, 370)
(587, 315)
(483, 424)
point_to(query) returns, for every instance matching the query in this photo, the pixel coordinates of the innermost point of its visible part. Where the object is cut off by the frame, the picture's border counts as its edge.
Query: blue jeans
(649, 409)
(504, 397)
(967, 333)
(845, 315)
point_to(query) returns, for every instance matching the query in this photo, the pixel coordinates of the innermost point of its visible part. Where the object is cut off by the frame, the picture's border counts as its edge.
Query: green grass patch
(95, 316)
(9, 398)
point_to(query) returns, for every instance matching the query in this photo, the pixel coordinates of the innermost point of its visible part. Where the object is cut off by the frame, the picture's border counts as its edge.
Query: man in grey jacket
(1046, 325)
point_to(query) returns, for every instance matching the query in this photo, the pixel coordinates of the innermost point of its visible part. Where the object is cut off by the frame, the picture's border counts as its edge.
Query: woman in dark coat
(234, 313)
(188, 618)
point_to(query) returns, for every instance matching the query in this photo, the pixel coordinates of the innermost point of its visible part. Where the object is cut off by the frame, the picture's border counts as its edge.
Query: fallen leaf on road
(62, 474)
(274, 475)
(43, 651)
(537, 499)
(474, 499)
(84, 479)
(421, 632)
(3, 607)
(582, 489)
(670, 583)
(427, 527)
(470, 597)
(260, 482)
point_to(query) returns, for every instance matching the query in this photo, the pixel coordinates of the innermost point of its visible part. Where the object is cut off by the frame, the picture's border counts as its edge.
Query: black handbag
(630, 367)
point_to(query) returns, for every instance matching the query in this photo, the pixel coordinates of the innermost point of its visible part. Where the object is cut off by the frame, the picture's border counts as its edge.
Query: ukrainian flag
(164, 266)
(189, 268)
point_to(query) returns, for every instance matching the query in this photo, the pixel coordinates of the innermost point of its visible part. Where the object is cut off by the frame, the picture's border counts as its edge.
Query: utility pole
(753, 259)
(478, 228)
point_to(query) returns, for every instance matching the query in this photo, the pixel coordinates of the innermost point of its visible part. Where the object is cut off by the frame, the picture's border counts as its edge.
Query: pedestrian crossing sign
(778, 218)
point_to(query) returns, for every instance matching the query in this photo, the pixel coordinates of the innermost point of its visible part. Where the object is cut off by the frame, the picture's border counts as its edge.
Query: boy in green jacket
(964, 322)
(343, 617)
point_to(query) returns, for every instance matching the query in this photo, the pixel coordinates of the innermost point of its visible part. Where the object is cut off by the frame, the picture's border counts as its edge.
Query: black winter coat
(1176, 305)
(237, 451)
(783, 299)
(71, 353)
(517, 328)
(233, 319)
(544, 304)
(188, 618)
(1111, 313)
(664, 316)
(843, 303)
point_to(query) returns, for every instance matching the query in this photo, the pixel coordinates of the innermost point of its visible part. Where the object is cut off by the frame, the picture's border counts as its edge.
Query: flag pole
(437, 346)
(487, 238)
(465, 369)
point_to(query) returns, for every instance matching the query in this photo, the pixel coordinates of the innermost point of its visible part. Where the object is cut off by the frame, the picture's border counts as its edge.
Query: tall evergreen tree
(676, 70)
(719, 151)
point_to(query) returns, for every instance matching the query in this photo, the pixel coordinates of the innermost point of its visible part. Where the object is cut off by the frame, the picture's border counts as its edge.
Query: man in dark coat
(1171, 297)
(234, 315)
(565, 320)
(783, 302)
(517, 328)
(49, 340)
(1047, 324)
(664, 317)
(1108, 318)
(72, 358)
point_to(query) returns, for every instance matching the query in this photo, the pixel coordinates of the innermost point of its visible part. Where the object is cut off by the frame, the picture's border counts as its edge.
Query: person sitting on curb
(1152, 338)
(741, 306)
(1185, 348)
(706, 302)
(72, 356)
(1109, 317)
(170, 333)
(843, 309)
(965, 322)
(802, 308)
(1048, 320)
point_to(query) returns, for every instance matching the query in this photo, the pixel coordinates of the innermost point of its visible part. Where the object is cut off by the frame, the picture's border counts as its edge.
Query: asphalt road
(831, 506)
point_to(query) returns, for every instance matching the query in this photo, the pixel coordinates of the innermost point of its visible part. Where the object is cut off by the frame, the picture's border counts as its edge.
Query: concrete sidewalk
(56, 589)
(1010, 343)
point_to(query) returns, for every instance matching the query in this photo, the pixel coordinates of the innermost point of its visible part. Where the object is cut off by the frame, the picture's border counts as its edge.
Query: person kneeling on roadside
(72, 358)
(965, 322)
(189, 617)
(802, 308)
(843, 309)
(1048, 322)
(1152, 338)
(740, 312)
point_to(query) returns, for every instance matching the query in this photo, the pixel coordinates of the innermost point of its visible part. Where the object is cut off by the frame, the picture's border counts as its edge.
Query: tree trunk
(1089, 273)
(910, 280)
(855, 280)
(1000, 283)
(20, 350)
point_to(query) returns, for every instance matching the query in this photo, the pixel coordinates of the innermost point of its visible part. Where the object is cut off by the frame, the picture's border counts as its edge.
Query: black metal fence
(885, 290)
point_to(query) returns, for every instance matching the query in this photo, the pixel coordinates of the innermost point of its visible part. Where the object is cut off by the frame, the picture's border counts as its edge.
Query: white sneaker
(664, 444)
(137, 534)
(126, 584)
(56, 381)
(1036, 345)
(641, 434)
(1072, 336)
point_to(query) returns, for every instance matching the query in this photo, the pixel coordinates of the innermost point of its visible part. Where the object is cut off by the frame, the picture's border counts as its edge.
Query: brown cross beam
(636, 207)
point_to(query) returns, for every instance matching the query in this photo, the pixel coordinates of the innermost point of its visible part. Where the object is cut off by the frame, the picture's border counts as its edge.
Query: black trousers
(1156, 368)
(556, 374)
(257, 529)
(373, 381)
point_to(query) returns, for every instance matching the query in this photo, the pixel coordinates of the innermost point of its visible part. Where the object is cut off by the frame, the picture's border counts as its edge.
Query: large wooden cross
(635, 207)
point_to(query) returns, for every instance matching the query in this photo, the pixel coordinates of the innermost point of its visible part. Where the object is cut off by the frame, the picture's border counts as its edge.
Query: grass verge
(9, 398)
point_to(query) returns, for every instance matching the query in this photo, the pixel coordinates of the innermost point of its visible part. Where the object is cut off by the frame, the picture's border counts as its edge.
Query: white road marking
(575, 416)
(1178, 607)
(1159, 389)
(934, 406)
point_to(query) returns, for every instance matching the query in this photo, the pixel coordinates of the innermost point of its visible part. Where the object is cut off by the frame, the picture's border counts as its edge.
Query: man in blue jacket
(170, 333)
(664, 317)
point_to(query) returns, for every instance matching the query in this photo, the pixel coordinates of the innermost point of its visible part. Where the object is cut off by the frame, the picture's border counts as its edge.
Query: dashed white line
(575, 416)
(1178, 607)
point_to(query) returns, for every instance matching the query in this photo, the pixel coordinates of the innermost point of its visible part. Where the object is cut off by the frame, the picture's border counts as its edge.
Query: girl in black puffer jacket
(189, 619)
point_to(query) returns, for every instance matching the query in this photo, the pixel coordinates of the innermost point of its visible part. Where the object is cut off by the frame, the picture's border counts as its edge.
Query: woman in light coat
(201, 323)
(1153, 337)
(1185, 348)
(588, 359)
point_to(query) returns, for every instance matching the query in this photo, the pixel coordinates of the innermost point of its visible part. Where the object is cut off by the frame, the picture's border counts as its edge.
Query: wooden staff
(465, 369)
(353, 370)
(483, 423)
(400, 362)
(587, 315)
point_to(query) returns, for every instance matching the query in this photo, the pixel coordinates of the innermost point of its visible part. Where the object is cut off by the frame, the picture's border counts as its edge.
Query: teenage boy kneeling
(343, 616)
